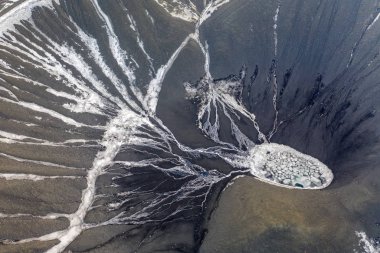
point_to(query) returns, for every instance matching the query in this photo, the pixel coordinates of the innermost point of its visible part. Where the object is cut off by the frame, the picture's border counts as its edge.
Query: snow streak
(367, 244)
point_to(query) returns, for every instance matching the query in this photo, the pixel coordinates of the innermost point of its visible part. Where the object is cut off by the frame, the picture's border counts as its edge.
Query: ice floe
(284, 166)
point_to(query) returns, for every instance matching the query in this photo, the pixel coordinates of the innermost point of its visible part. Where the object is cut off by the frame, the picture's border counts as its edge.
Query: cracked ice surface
(284, 166)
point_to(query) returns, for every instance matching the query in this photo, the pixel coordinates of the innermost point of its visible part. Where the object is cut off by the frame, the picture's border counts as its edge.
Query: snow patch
(367, 244)
(178, 9)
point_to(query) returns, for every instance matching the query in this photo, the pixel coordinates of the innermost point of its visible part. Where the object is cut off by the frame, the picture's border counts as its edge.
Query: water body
(189, 126)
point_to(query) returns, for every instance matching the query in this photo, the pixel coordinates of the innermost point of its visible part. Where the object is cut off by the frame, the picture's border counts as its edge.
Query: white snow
(54, 114)
(119, 130)
(149, 16)
(23, 160)
(32, 177)
(126, 127)
(119, 54)
(7, 3)
(367, 244)
(155, 84)
(140, 42)
(275, 19)
(374, 21)
(205, 52)
(22, 11)
(222, 93)
(10, 93)
(178, 9)
(13, 136)
(209, 10)
(284, 166)
(50, 216)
